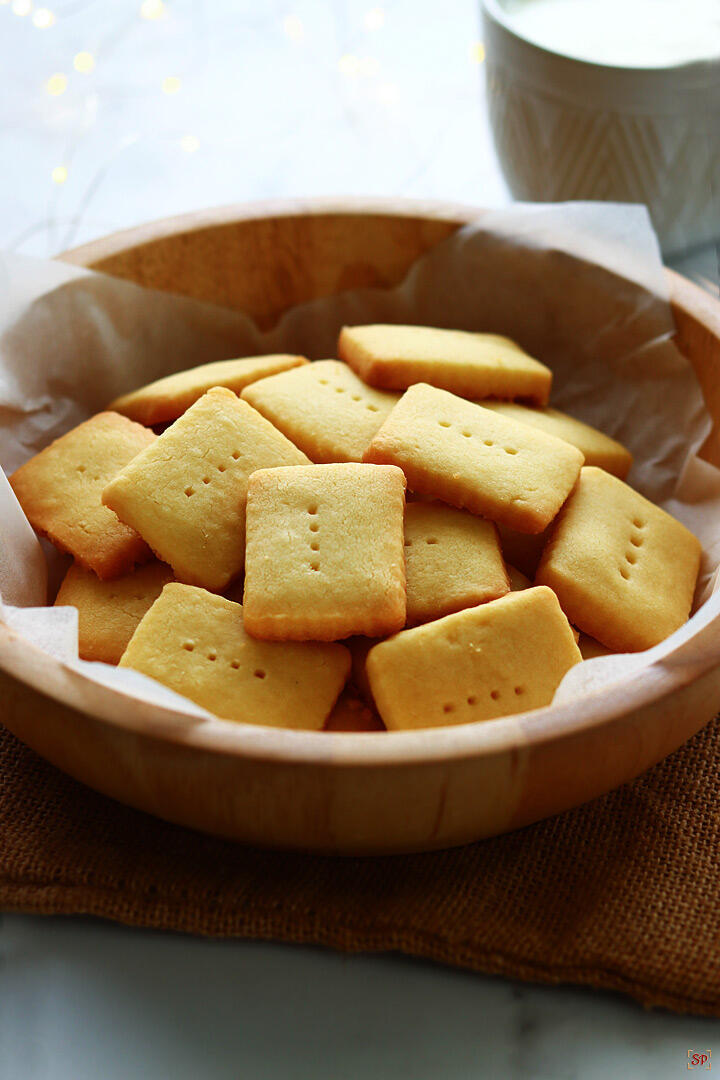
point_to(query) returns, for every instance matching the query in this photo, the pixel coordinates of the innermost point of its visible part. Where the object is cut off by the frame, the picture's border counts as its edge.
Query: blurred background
(118, 112)
(121, 111)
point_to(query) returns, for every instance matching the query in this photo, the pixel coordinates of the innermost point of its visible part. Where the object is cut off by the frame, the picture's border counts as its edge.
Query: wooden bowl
(357, 793)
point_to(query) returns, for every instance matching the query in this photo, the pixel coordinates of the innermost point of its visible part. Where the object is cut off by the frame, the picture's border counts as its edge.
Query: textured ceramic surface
(568, 129)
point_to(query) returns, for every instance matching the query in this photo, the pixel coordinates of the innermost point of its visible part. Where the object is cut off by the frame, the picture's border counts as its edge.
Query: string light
(84, 62)
(374, 18)
(43, 18)
(189, 143)
(152, 9)
(59, 174)
(293, 27)
(348, 64)
(56, 84)
(171, 84)
(22, 7)
(477, 52)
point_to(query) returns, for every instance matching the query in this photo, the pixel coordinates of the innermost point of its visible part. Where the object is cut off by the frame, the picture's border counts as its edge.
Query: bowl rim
(637, 690)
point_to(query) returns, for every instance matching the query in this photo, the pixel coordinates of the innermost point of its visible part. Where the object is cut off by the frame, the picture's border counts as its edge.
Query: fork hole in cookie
(356, 397)
(314, 565)
(636, 541)
(519, 690)
(314, 526)
(314, 546)
(431, 540)
(487, 442)
(494, 694)
(638, 523)
(510, 450)
(466, 434)
(372, 408)
(312, 509)
(235, 664)
(444, 423)
(81, 468)
(408, 543)
(624, 573)
(323, 382)
(631, 557)
(189, 491)
(221, 468)
(339, 389)
(206, 479)
(235, 455)
(472, 701)
(448, 708)
(212, 656)
(259, 673)
(188, 646)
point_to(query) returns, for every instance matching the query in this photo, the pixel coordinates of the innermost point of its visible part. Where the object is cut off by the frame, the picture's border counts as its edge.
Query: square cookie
(325, 556)
(194, 642)
(472, 458)
(166, 399)
(504, 657)
(109, 611)
(60, 492)
(597, 448)
(471, 365)
(186, 493)
(623, 569)
(452, 561)
(522, 550)
(323, 408)
(517, 579)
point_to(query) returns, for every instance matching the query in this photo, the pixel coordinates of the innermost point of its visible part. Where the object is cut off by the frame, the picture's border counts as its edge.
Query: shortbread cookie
(186, 493)
(590, 648)
(166, 399)
(517, 580)
(194, 642)
(323, 408)
(504, 657)
(597, 448)
(470, 457)
(623, 569)
(522, 550)
(452, 561)
(351, 713)
(109, 611)
(60, 491)
(472, 365)
(325, 555)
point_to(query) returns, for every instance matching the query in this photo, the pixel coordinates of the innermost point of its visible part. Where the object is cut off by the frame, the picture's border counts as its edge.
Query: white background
(212, 103)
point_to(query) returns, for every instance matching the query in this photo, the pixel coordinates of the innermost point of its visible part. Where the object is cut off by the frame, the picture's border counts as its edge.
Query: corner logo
(699, 1059)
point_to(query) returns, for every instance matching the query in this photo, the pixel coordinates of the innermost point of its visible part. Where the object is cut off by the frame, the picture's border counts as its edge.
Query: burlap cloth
(623, 893)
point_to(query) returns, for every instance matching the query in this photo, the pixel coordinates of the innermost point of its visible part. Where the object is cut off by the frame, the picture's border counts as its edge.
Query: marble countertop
(116, 113)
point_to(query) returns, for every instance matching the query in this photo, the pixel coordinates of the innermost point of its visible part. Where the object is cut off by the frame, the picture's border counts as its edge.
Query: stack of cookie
(380, 518)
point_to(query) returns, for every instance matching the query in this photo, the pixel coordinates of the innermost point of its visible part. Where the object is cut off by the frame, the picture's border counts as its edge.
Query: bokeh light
(43, 18)
(84, 62)
(56, 84)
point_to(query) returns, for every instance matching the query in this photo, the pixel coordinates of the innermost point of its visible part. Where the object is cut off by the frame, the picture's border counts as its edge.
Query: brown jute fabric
(623, 893)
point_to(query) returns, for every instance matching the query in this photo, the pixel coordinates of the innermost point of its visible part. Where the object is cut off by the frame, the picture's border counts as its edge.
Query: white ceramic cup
(573, 129)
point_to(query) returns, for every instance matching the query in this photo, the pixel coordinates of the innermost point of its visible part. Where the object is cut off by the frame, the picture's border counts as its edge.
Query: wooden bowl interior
(264, 259)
